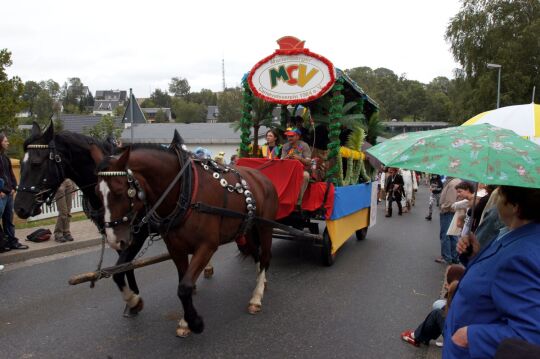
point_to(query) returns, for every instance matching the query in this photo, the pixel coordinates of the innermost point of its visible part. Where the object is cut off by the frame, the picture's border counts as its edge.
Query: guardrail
(51, 211)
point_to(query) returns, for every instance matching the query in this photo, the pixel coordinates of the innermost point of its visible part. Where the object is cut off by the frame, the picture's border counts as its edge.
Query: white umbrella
(522, 119)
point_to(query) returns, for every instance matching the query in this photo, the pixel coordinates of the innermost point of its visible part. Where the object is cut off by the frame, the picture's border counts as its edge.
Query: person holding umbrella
(499, 295)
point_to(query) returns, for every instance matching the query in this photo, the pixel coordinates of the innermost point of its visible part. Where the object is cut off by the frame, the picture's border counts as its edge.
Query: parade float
(340, 197)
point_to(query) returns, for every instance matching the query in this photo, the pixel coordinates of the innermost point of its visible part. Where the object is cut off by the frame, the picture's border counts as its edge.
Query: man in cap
(296, 149)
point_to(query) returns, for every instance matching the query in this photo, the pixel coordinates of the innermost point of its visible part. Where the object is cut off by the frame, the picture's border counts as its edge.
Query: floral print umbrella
(481, 153)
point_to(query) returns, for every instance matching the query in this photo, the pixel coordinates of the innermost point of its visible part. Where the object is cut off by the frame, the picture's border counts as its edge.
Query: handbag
(39, 235)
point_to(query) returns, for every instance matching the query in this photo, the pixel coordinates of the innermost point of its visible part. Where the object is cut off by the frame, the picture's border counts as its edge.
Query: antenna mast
(223, 73)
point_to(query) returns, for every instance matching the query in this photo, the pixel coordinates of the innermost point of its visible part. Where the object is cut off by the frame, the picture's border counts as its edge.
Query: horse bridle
(134, 189)
(44, 187)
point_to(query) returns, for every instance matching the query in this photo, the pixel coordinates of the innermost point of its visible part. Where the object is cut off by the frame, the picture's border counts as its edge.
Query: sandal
(408, 336)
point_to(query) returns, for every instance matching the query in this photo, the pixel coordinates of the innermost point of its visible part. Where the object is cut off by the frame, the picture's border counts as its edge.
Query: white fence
(51, 211)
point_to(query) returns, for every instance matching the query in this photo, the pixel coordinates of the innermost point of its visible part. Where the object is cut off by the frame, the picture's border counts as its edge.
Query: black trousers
(431, 328)
(394, 198)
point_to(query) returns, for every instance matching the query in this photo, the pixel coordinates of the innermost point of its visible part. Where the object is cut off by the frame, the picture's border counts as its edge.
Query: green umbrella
(481, 153)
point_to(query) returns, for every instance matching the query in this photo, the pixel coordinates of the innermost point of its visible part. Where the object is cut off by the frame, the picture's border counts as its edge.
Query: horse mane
(134, 147)
(75, 139)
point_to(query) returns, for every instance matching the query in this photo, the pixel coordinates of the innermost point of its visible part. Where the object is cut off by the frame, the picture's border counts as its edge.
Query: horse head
(41, 172)
(122, 197)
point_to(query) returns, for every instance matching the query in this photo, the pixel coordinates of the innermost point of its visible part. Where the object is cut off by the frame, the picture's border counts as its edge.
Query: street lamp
(497, 66)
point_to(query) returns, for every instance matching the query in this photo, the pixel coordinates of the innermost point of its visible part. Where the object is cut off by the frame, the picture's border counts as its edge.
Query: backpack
(39, 235)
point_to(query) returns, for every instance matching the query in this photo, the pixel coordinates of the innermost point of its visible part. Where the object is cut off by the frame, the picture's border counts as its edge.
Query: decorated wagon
(301, 82)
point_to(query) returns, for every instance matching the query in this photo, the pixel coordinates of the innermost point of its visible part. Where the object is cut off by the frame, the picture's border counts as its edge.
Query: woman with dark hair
(271, 150)
(499, 295)
(6, 196)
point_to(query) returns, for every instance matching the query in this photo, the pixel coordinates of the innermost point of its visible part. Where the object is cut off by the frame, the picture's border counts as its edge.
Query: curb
(16, 255)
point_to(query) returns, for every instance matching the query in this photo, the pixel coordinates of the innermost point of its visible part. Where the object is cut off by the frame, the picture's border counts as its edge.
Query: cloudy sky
(118, 44)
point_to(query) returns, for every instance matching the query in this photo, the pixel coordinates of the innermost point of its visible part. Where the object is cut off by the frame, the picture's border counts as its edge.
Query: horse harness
(189, 184)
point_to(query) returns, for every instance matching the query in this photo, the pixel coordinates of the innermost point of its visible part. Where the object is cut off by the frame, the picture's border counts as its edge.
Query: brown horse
(196, 205)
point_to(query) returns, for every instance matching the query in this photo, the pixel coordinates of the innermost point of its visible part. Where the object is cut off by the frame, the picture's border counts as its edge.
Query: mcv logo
(287, 74)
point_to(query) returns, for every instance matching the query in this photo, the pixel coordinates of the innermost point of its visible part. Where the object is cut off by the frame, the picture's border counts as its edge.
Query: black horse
(49, 159)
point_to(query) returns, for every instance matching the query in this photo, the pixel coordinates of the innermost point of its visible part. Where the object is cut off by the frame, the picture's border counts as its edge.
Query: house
(107, 101)
(150, 113)
(82, 123)
(215, 137)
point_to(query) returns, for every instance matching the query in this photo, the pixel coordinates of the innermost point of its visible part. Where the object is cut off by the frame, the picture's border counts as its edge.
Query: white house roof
(192, 133)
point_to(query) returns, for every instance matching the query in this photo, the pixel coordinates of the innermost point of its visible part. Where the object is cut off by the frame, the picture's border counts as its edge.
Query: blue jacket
(499, 296)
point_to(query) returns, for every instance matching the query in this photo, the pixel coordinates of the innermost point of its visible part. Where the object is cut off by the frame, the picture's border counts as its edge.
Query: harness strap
(164, 195)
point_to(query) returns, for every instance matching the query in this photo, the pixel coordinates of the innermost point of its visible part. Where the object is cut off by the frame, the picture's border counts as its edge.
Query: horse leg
(262, 264)
(130, 294)
(185, 288)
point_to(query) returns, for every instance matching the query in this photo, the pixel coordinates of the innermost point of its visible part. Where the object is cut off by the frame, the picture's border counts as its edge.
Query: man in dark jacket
(394, 190)
(6, 196)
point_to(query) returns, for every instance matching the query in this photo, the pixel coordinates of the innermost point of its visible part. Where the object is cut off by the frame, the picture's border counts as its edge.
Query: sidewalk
(84, 232)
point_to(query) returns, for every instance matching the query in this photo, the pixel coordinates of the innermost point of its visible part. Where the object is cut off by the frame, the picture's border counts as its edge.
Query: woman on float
(271, 150)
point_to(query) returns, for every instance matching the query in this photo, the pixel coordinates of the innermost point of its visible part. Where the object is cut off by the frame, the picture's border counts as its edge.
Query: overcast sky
(117, 44)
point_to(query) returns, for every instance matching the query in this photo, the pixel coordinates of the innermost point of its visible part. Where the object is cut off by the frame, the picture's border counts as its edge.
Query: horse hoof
(254, 308)
(133, 312)
(182, 332)
(208, 272)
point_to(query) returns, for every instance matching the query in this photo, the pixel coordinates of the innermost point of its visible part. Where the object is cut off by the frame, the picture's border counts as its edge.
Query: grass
(23, 223)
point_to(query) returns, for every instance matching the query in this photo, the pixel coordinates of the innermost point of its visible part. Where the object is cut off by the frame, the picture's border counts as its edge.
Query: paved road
(354, 309)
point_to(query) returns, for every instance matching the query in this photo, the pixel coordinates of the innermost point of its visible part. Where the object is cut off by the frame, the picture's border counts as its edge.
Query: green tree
(261, 116)
(148, 103)
(120, 110)
(105, 127)
(230, 105)
(161, 117)
(188, 112)
(11, 91)
(504, 32)
(179, 87)
(204, 97)
(40, 100)
(160, 98)
(73, 96)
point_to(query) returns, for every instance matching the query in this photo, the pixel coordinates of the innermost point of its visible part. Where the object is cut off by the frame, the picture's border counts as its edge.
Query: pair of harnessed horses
(195, 205)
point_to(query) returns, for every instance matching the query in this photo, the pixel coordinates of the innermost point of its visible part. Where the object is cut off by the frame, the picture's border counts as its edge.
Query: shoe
(428, 218)
(388, 215)
(1, 267)
(60, 239)
(440, 260)
(17, 245)
(68, 237)
(408, 336)
(5, 249)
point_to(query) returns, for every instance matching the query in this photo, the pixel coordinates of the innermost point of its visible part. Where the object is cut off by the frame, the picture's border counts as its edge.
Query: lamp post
(497, 66)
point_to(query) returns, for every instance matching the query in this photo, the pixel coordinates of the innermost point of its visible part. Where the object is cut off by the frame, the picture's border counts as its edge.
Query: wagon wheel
(361, 234)
(326, 250)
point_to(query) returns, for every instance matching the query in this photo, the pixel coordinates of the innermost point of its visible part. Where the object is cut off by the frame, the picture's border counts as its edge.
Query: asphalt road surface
(354, 309)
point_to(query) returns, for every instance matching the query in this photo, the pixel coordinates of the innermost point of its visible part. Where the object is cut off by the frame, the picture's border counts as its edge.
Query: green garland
(335, 173)
(246, 121)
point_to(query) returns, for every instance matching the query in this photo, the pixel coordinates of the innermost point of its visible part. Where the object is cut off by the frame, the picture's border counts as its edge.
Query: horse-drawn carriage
(297, 79)
(194, 204)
